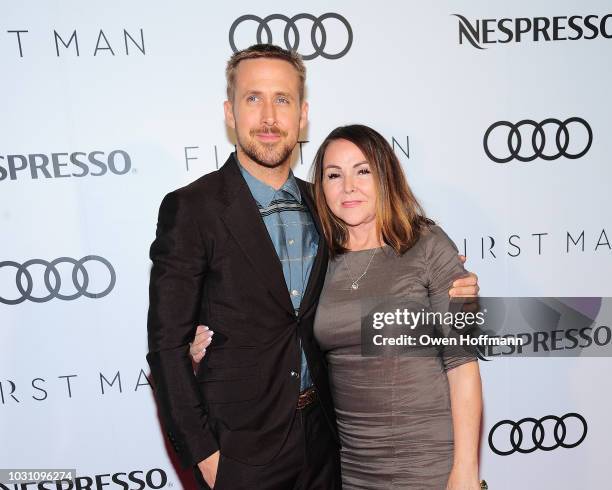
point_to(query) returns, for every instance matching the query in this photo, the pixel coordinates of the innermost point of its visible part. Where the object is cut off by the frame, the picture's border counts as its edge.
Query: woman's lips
(350, 204)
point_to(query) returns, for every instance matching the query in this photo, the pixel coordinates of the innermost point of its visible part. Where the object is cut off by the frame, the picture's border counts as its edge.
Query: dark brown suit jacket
(214, 263)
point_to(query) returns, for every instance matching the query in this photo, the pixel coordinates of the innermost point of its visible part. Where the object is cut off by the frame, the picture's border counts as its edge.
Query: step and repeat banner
(500, 113)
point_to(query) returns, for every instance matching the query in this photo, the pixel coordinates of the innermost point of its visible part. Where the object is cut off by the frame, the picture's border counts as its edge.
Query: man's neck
(274, 177)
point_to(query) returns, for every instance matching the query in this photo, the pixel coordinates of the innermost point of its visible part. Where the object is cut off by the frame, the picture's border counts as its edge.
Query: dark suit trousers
(309, 460)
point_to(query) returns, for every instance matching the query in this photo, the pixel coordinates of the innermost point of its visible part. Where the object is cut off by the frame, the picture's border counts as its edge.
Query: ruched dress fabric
(394, 413)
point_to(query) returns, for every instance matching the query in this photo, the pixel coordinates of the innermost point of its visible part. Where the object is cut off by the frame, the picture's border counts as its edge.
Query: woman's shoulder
(434, 238)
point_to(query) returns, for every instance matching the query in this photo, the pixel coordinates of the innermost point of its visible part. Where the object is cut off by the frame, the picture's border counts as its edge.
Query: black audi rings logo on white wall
(536, 145)
(55, 279)
(293, 38)
(529, 434)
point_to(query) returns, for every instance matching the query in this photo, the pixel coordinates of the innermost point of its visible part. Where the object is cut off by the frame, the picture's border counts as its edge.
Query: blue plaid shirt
(294, 236)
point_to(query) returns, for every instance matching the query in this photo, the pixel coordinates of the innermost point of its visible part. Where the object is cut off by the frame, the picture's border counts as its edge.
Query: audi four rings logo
(537, 144)
(291, 34)
(54, 277)
(519, 441)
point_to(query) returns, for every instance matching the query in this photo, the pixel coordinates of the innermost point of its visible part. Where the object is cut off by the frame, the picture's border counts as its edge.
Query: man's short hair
(264, 51)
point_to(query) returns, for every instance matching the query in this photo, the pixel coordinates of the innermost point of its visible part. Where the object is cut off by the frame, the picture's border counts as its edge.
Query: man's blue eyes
(255, 98)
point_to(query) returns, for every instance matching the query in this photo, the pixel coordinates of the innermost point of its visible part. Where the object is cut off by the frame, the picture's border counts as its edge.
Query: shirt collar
(265, 194)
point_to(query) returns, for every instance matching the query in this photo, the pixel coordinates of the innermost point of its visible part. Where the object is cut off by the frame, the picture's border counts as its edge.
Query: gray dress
(394, 414)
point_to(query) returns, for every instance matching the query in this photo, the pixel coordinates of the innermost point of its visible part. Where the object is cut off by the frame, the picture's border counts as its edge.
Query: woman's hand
(202, 339)
(463, 478)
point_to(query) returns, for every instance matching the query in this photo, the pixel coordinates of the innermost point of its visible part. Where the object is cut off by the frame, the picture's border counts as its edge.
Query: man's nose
(268, 115)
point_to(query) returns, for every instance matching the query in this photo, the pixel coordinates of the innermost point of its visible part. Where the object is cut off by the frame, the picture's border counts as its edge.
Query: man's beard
(266, 155)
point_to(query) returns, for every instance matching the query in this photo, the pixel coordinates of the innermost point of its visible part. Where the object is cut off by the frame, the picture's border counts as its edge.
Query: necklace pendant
(355, 285)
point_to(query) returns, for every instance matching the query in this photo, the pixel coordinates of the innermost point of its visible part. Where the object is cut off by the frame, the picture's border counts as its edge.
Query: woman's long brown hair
(399, 216)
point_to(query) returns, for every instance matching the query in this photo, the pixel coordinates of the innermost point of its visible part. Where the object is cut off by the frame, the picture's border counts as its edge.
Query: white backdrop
(157, 96)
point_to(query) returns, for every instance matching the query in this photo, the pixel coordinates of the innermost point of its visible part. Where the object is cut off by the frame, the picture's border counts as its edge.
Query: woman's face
(348, 184)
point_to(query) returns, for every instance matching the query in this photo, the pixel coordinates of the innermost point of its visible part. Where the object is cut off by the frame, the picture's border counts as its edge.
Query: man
(240, 249)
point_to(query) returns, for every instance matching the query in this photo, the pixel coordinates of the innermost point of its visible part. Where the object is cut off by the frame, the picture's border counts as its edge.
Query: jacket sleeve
(175, 290)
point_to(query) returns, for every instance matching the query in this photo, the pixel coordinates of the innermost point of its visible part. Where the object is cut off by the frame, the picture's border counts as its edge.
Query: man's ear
(304, 115)
(229, 114)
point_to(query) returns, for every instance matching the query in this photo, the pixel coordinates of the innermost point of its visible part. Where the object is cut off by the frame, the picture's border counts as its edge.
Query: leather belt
(306, 398)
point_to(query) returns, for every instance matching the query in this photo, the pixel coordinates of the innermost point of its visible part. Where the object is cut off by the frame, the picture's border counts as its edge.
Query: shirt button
(295, 374)
(291, 242)
(295, 292)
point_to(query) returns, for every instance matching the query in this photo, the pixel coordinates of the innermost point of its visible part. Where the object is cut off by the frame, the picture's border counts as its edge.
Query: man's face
(266, 113)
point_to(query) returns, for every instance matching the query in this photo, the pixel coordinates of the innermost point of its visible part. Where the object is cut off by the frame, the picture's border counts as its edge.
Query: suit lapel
(246, 226)
(319, 267)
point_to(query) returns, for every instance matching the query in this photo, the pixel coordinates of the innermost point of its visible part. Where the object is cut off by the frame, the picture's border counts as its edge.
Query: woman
(404, 421)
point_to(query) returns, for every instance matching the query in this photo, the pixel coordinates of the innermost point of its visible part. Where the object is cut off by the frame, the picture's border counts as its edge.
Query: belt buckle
(306, 398)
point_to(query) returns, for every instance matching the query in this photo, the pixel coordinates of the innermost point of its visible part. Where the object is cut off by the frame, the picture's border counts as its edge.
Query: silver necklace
(355, 282)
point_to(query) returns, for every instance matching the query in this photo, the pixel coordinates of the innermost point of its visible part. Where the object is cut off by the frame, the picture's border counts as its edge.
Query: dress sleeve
(443, 267)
